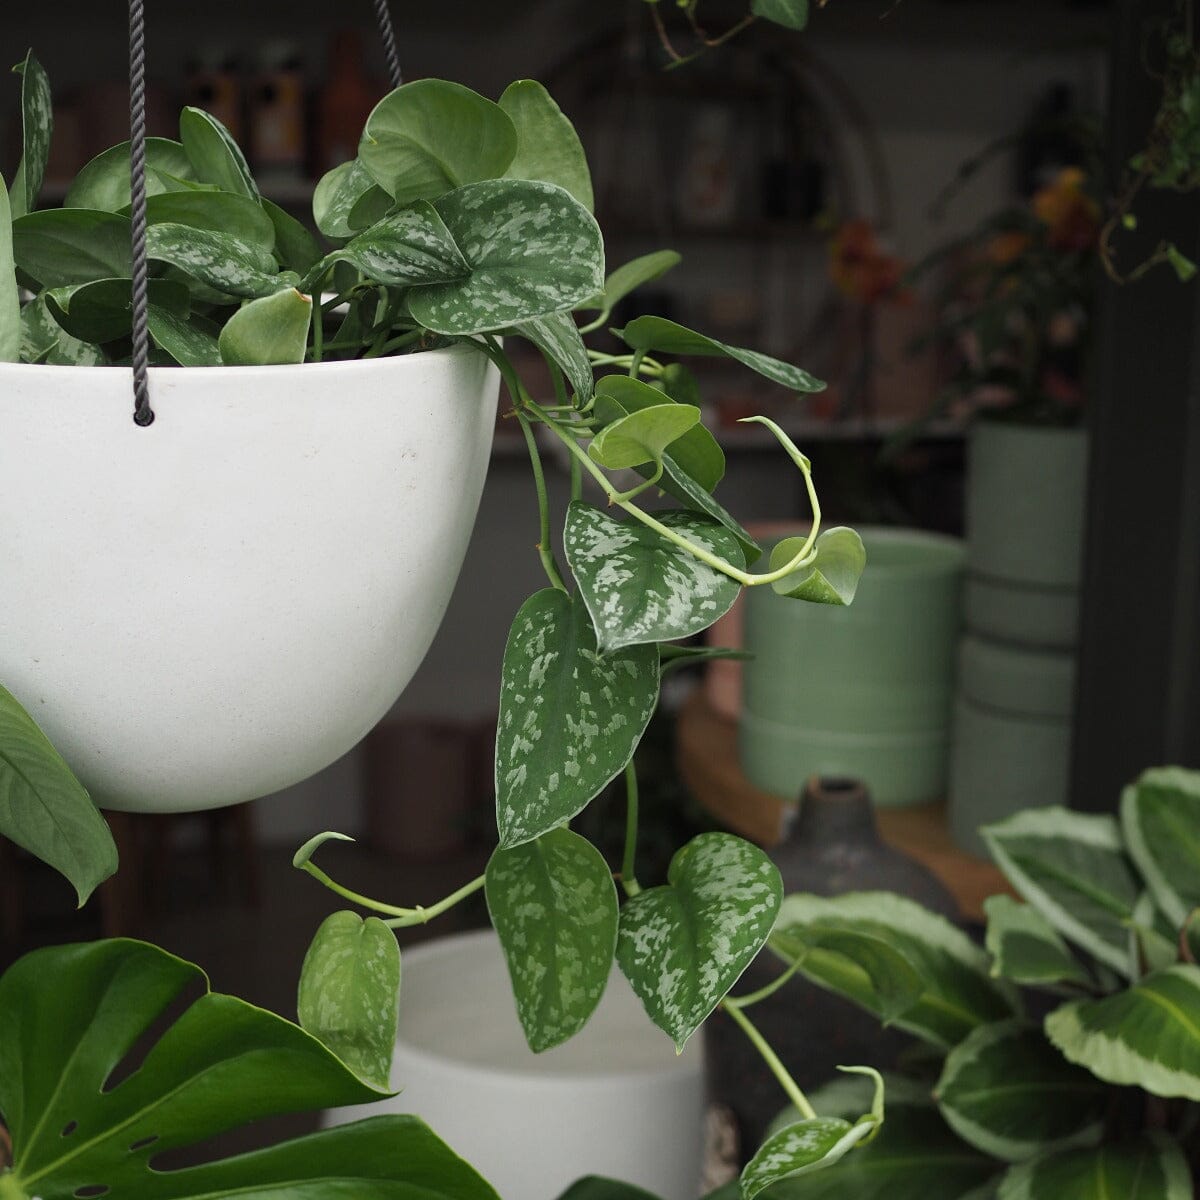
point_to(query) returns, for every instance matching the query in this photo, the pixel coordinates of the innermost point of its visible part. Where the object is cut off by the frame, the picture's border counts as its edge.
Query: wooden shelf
(706, 752)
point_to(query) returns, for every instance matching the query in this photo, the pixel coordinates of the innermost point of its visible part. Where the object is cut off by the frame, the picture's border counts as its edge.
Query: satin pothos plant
(460, 220)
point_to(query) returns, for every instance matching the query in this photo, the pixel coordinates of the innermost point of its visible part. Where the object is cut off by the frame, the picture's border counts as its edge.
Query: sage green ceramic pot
(863, 691)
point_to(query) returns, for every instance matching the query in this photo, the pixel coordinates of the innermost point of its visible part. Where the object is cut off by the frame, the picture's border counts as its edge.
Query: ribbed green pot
(862, 691)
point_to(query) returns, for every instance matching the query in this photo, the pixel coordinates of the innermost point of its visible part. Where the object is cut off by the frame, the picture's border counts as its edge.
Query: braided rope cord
(143, 414)
(388, 33)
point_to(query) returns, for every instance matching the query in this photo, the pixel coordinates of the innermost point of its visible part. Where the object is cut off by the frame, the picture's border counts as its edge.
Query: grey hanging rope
(143, 414)
(389, 42)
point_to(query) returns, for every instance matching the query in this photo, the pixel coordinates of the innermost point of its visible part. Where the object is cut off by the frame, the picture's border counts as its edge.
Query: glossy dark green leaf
(214, 156)
(103, 309)
(548, 148)
(62, 246)
(628, 278)
(188, 342)
(832, 577)
(559, 336)
(1073, 869)
(221, 212)
(1006, 1092)
(10, 297)
(336, 194)
(791, 14)
(431, 136)
(958, 992)
(216, 260)
(659, 334)
(349, 993)
(682, 946)
(640, 587)
(45, 809)
(69, 1015)
(533, 250)
(569, 719)
(412, 246)
(596, 1188)
(103, 184)
(1152, 1168)
(37, 127)
(1160, 818)
(295, 247)
(267, 331)
(554, 905)
(1147, 1036)
(1026, 949)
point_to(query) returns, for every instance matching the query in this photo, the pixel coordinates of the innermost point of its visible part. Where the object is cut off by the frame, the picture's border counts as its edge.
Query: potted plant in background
(461, 222)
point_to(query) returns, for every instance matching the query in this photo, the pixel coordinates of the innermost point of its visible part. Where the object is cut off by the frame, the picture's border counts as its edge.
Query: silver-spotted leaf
(548, 148)
(216, 260)
(1151, 1168)
(808, 1145)
(37, 127)
(1026, 949)
(62, 246)
(1160, 817)
(432, 136)
(1147, 1036)
(412, 246)
(554, 906)
(223, 212)
(214, 155)
(532, 248)
(642, 436)
(1073, 869)
(659, 334)
(273, 329)
(570, 719)
(640, 587)
(682, 946)
(832, 577)
(43, 340)
(628, 278)
(337, 193)
(349, 993)
(1005, 1091)
(558, 336)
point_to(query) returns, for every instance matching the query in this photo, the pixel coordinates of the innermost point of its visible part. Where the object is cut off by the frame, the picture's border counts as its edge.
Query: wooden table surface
(706, 750)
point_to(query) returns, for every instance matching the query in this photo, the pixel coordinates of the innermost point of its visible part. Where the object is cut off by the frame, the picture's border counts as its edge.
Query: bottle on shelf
(346, 101)
(277, 117)
(215, 85)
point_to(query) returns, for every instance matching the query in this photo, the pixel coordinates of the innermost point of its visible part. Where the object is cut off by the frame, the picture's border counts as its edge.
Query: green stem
(545, 552)
(354, 897)
(624, 497)
(763, 992)
(789, 1085)
(400, 917)
(635, 363)
(420, 916)
(628, 876)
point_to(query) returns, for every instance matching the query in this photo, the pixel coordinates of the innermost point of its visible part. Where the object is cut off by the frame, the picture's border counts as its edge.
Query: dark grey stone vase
(833, 847)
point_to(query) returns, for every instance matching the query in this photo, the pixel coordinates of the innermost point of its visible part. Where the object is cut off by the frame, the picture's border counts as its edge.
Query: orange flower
(859, 267)
(1070, 215)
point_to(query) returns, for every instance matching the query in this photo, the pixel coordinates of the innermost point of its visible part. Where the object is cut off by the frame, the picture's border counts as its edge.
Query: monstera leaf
(82, 1126)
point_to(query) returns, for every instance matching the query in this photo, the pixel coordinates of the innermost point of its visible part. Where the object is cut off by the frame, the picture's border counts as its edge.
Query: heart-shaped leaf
(548, 148)
(628, 278)
(62, 246)
(643, 436)
(800, 1149)
(412, 246)
(103, 184)
(1005, 1091)
(532, 248)
(349, 993)
(682, 946)
(554, 905)
(559, 336)
(1072, 868)
(1145, 1036)
(638, 586)
(222, 212)
(791, 14)
(431, 136)
(570, 719)
(10, 296)
(69, 1016)
(295, 247)
(188, 342)
(217, 260)
(271, 330)
(214, 156)
(37, 127)
(103, 309)
(832, 577)
(1025, 948)
(1160, 817)
(335, 196)
(45, 809)
(657, 333)
(1150, 1168)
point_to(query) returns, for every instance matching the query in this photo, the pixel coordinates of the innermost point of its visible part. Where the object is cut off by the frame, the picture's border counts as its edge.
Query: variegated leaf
(800, 1149)
(559, 336)
(1160, 817)
(44, 340)
(638, 586)
(1025, 948)
(221, 212)
(1147, 1036)
(214, 155)
(1005, 1091)
(682, 946)
(217, 260)
(548, 148)
(532, 248)
(628, 278)
(350, 992)
(337, 193)
(1072, 868)
(10, 297)
(102, 310)
(1152, 1168)
(37, 127)
(570, 719)
(958, 992)
(554, 904)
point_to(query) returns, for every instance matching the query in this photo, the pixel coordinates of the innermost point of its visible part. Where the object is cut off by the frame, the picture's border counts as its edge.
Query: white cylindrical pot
(217, 606)
(614, 1101)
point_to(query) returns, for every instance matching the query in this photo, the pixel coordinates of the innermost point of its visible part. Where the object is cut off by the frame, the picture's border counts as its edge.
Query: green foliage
(10, 301)
(831, 576)
(273, 329)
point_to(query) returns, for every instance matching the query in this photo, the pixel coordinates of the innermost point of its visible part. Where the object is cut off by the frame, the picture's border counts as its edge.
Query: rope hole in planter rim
(143, 414)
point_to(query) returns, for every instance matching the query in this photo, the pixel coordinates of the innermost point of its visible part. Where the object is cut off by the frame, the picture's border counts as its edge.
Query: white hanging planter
(215, 607)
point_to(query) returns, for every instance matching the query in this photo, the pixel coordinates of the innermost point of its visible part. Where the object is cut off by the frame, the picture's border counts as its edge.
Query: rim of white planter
(215, 607)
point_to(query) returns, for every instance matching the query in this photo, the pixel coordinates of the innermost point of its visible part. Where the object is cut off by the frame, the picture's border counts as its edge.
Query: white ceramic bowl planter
(214, 607)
